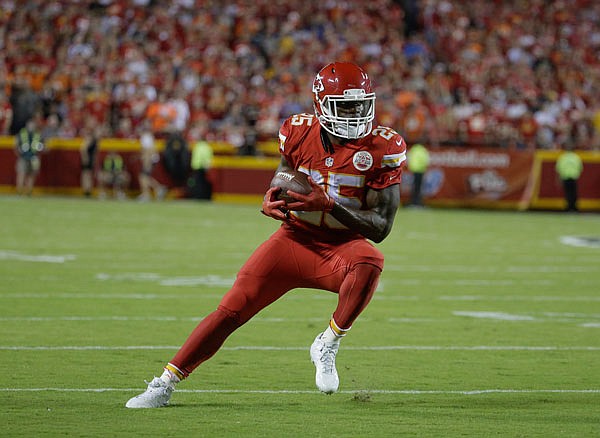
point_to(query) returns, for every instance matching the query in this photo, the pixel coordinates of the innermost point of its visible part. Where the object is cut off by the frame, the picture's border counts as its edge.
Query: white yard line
(147, 318)
(500, 316)
(551, 317)
(112, 296)
(276, 348)
(547, 317)
(356, 391)
(509, 298)
(525, 269)
(38, 258)
(295, 296)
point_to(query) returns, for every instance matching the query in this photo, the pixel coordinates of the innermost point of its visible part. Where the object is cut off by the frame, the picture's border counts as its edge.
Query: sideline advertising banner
(482, 177)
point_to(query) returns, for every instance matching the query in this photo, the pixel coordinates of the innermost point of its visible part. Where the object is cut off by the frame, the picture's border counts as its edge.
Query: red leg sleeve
(205, 340)
(355, 293)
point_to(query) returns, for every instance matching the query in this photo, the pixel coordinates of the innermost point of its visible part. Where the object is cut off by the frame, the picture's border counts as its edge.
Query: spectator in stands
(162, 115)
(29, 144)
(112, 60)
(113, 175)
(51, 127)
(182, 111)
(25, 104)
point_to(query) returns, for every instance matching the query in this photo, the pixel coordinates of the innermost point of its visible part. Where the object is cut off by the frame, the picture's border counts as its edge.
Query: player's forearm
(366, 222)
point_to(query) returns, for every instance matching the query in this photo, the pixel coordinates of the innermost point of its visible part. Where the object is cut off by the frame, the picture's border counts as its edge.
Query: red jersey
(372, 162)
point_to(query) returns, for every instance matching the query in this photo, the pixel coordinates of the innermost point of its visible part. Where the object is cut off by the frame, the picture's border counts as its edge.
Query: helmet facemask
(349, 115)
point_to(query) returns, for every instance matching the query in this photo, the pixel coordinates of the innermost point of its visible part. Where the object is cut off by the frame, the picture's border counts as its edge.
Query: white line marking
(412, 320)
(509, 298)
(275, 348)
(572, 314)
(98, 318)
(549, 316)
(115, 296)
(356, 391)
(292, 296)
(206, 280)
(146, 318)
(494, 315)
(163, 296)
(493, 269)
(581, 242)
(42, 258)
(227, 281)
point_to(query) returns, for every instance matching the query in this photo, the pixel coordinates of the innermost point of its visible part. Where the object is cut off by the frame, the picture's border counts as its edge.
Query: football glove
(317, 200)
(274, 207)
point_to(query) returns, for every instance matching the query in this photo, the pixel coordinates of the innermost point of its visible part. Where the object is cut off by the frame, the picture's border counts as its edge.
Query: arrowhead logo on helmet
(318, 84)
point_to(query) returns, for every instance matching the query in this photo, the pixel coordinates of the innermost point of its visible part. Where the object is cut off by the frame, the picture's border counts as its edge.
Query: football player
(323, 241)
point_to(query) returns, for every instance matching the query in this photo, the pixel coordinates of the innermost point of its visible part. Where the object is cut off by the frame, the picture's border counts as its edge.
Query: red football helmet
(344, 101)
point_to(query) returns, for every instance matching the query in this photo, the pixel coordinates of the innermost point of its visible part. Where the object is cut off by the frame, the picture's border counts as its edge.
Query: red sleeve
(293, 133)
(286, 142)
(392, 163)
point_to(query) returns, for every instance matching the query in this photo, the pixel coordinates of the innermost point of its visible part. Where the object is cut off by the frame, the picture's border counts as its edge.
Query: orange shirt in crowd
(161, 115)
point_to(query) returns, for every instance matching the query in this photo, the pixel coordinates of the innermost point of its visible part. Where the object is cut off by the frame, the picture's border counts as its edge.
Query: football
(290, 180)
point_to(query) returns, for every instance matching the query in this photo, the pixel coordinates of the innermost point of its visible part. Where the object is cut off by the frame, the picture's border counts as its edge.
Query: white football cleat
(156, 395)
(322, 355)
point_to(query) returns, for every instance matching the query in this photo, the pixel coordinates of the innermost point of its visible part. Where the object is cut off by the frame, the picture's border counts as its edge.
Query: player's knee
(366, 278)
(367, 271)
(231, 317)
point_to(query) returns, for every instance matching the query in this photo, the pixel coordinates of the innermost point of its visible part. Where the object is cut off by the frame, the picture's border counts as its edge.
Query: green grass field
(484, 324)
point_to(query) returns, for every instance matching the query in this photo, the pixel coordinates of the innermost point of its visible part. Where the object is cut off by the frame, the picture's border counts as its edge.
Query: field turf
(484, 324)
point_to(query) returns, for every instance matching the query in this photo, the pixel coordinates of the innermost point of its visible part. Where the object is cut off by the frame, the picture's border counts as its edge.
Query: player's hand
(317, 200)
(273, 207)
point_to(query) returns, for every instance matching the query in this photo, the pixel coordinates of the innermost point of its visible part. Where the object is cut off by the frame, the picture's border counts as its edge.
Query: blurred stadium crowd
(512, 73)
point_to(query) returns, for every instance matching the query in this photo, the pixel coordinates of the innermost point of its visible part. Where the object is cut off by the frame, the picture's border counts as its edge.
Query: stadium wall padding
(457, 177)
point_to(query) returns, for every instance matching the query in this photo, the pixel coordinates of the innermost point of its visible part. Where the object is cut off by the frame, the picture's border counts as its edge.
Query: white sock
(330, 336)
(169, 377)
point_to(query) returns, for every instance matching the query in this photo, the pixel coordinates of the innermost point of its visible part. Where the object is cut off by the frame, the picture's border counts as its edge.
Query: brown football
(289, 179)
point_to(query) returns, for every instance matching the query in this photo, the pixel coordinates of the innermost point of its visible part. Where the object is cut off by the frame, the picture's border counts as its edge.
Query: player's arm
(376, 222)
(283, 165)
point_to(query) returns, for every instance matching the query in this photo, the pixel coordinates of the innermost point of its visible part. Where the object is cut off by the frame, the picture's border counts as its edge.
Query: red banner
(468, 177)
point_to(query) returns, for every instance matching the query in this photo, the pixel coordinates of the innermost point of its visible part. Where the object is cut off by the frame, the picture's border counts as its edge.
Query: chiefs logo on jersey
(362, 160)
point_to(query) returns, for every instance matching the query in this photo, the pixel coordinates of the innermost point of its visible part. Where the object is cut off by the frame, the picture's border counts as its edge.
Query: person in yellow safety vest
(418, 162)
(113, 174)
(202, 156)
(569, 168)
(28, 146)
